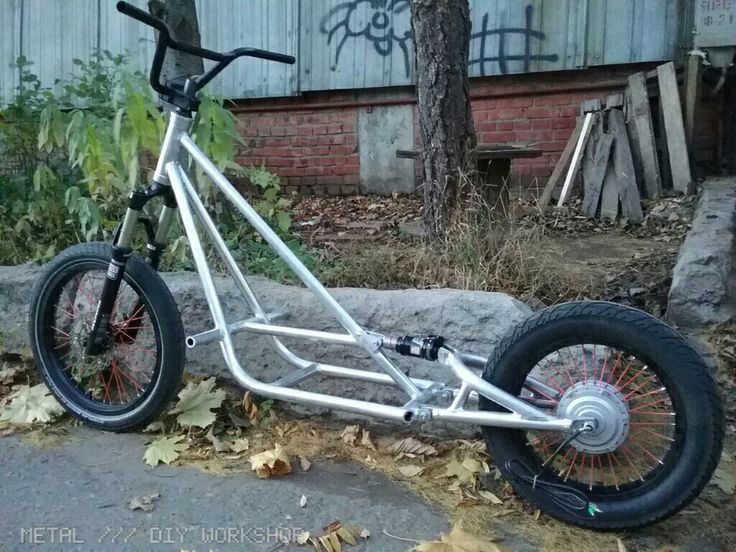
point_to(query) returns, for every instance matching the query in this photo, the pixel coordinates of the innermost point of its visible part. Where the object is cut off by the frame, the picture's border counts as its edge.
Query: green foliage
(80, 153)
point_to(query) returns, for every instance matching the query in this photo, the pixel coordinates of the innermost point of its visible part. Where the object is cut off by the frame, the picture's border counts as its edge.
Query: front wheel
(659, 423)
(135, 374)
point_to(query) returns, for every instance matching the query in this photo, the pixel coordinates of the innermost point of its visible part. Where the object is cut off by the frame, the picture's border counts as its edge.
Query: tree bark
(441, 44)
(181, 18)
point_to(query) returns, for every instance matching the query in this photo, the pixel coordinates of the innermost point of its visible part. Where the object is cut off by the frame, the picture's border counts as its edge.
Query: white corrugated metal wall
(345, 44)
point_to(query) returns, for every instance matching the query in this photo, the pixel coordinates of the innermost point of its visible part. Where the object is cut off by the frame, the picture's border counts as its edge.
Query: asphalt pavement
(73, 496)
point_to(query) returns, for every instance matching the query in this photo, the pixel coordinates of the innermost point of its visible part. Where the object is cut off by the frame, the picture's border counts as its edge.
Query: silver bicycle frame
(423, 396)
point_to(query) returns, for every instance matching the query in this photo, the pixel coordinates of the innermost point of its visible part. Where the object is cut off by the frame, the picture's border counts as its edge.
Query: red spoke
(646, 451)
(628, 459)
(615, 365)
(655, 434)
(603, 369)
(61, 332)
(638, 408)
(649, 393)
(613, 471)
(652, 423)
(616, 385)
(572, 463)
(575, 363)
(595, 359)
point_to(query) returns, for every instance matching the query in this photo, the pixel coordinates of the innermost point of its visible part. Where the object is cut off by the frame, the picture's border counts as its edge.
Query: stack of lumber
(617, 155)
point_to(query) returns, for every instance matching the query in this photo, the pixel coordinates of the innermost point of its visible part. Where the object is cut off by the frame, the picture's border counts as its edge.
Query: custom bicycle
(597, 413)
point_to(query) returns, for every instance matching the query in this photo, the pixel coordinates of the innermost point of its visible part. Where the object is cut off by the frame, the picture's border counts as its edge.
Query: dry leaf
(250, 408)
(271, 462)
(218, 444)
(465, 471)
(621, 545)
(493, 499)
(411, 446)
(350, 434)
(303, 537)
(366, 440)
(305, 463)
(240, 445)
(165, 449)
(458, 541)
(144, 503)
(303, 501)
(196, 402)
(31, 404)
(411, 471)
(153, 427)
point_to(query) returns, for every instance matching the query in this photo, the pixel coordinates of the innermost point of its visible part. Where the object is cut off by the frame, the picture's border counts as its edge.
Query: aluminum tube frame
(369, 342)
(522, 416)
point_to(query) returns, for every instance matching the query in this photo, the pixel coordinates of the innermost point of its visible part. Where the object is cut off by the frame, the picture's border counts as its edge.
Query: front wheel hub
(603, 403)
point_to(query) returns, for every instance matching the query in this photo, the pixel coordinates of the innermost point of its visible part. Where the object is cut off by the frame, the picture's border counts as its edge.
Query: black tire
(695, 440)
(78, 381)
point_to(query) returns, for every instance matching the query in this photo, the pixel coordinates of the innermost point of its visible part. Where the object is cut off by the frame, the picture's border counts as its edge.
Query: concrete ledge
(704, 278)
(474, 321)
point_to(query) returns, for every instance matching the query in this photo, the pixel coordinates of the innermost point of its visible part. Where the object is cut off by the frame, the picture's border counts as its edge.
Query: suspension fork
(121, 252)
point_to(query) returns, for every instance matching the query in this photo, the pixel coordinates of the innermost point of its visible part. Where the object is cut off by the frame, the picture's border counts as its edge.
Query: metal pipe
(285, 331)
(493, 393)
(500, 419)
(182, 190)
(234, 328)
(283, 251)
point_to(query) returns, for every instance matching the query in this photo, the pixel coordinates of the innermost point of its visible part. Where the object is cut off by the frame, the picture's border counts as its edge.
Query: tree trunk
(181, 18)
(441, 42)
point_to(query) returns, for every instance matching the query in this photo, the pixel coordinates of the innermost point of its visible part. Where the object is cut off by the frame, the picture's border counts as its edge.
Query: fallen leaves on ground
(9, 373)
(411, 448)
(305, 463)
(30, 404)
(271, 462)
(411, 471)
(221, 445)
(196, 402)
(333, 536)
(144, 503)
(465, 471)
(250, 408)
(165, 449)
(459, 541)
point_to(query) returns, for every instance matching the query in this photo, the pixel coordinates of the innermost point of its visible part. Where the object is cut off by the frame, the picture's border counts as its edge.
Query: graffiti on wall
(381, 27)
(501, 55)
(386, 24)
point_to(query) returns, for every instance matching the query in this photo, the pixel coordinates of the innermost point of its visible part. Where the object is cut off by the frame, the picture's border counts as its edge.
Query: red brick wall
(312, 141)
(314, 151)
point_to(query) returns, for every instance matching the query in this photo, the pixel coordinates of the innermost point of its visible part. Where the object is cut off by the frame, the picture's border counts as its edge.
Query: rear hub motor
(604, 404)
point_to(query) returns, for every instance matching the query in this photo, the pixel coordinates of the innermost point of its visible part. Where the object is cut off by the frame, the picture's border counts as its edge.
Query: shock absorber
(426, 348)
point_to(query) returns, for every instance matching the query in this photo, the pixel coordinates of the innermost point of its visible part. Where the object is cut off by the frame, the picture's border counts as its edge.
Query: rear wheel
(659, 423)
(132, 379)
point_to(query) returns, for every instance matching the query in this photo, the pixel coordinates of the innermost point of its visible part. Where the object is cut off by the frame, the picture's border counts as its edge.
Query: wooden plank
(674, 128)
(596, 133)
(614, 101)
(595, 185)
(554, 179)
(623, 164)
(590, 106)
(641, 134)
(572, 172)
(609, 194)
(693, 78)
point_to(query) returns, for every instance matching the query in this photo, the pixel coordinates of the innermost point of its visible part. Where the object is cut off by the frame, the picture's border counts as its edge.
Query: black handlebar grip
(142, 16)
(270, 56)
